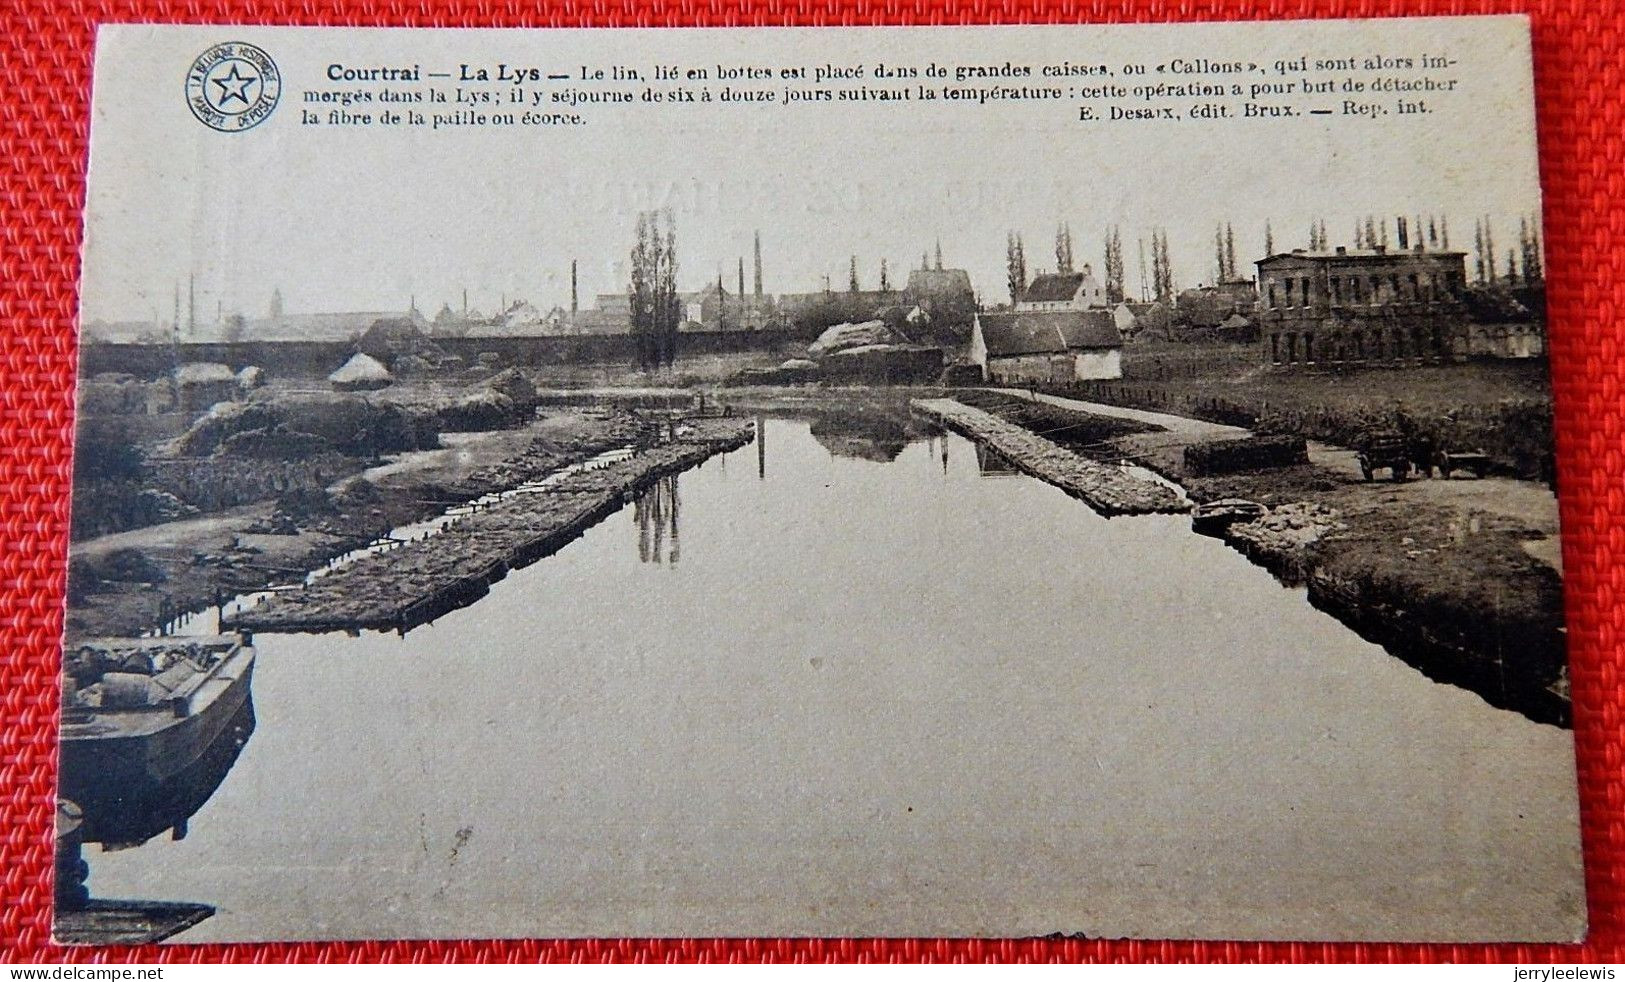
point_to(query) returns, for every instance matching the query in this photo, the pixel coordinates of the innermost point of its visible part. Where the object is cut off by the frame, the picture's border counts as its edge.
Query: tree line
(1523, 264)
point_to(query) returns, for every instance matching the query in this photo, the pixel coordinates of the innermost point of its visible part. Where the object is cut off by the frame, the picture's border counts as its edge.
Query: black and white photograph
(840, 482)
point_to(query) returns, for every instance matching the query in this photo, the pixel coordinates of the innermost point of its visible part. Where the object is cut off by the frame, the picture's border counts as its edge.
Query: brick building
(1363, 305)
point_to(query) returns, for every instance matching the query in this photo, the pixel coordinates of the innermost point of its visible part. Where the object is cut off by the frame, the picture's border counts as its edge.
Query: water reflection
(860, 435)
(928, 690)
(761, 447)
(125, 805)
(655, 514)
(991, 463)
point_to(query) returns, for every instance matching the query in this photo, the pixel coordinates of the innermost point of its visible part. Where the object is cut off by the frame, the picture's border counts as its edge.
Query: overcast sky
(368, 219)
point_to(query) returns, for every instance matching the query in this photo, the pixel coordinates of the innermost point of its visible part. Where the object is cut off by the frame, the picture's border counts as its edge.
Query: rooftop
(1048, 287)
(1047, 332)
(1363, 255)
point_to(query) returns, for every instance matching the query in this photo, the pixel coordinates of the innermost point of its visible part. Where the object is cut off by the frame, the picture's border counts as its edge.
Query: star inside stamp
(233, 86)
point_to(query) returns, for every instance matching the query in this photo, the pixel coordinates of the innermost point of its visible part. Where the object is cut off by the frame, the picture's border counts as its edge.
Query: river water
(846, 684)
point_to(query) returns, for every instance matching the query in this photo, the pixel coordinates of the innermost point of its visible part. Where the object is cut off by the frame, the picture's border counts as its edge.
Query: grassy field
(1501, 407)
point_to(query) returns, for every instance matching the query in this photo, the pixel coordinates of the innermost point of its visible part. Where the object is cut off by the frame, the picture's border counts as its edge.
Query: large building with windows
(1363, 305)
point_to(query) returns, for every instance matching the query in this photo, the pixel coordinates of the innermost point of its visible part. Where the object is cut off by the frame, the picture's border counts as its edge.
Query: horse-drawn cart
(1383, 448)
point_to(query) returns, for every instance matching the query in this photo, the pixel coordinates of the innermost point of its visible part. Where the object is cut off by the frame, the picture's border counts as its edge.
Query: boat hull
(145, 775)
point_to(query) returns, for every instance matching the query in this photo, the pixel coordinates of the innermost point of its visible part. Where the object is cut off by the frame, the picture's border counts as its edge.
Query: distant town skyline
(550, 288)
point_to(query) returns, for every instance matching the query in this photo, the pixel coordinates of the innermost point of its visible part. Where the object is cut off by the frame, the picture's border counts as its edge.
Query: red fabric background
(45, 60)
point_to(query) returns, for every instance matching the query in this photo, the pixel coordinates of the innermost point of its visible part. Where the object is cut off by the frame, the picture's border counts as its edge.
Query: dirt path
(1191, 430)
(1527, 502)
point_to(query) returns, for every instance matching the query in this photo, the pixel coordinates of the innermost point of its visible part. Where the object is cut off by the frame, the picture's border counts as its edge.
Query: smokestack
(758, 264)
(574, 303)
(191, 305)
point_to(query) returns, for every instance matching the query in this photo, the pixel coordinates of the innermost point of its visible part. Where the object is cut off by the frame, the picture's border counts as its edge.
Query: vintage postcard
(991, 481)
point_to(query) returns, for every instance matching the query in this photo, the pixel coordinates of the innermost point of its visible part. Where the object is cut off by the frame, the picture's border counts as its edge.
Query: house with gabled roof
(1063, 291)
(1047, 346)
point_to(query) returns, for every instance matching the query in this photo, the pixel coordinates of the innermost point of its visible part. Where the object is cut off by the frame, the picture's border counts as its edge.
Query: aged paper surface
(939, 481)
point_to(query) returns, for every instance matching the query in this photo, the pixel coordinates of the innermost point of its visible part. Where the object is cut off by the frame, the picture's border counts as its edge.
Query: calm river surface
(826, 693)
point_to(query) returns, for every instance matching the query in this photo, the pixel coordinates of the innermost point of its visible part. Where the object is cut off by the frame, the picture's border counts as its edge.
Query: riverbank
(1459, 578)
(133, 582)
(1103, 487)
(1451, 588)
(963, 665)
(418, 581)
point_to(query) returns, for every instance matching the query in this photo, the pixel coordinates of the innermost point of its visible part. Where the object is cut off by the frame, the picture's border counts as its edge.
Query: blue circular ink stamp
(233, 86)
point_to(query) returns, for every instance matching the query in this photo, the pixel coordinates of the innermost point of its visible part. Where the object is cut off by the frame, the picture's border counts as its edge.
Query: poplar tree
(641, 294)
(1162, 267)
(656, 312)
(1478, 250)
(1114, 266)
(1159, 289)
(671, 312)
(1167, 268)
(1537, 263)
(1015, 267)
